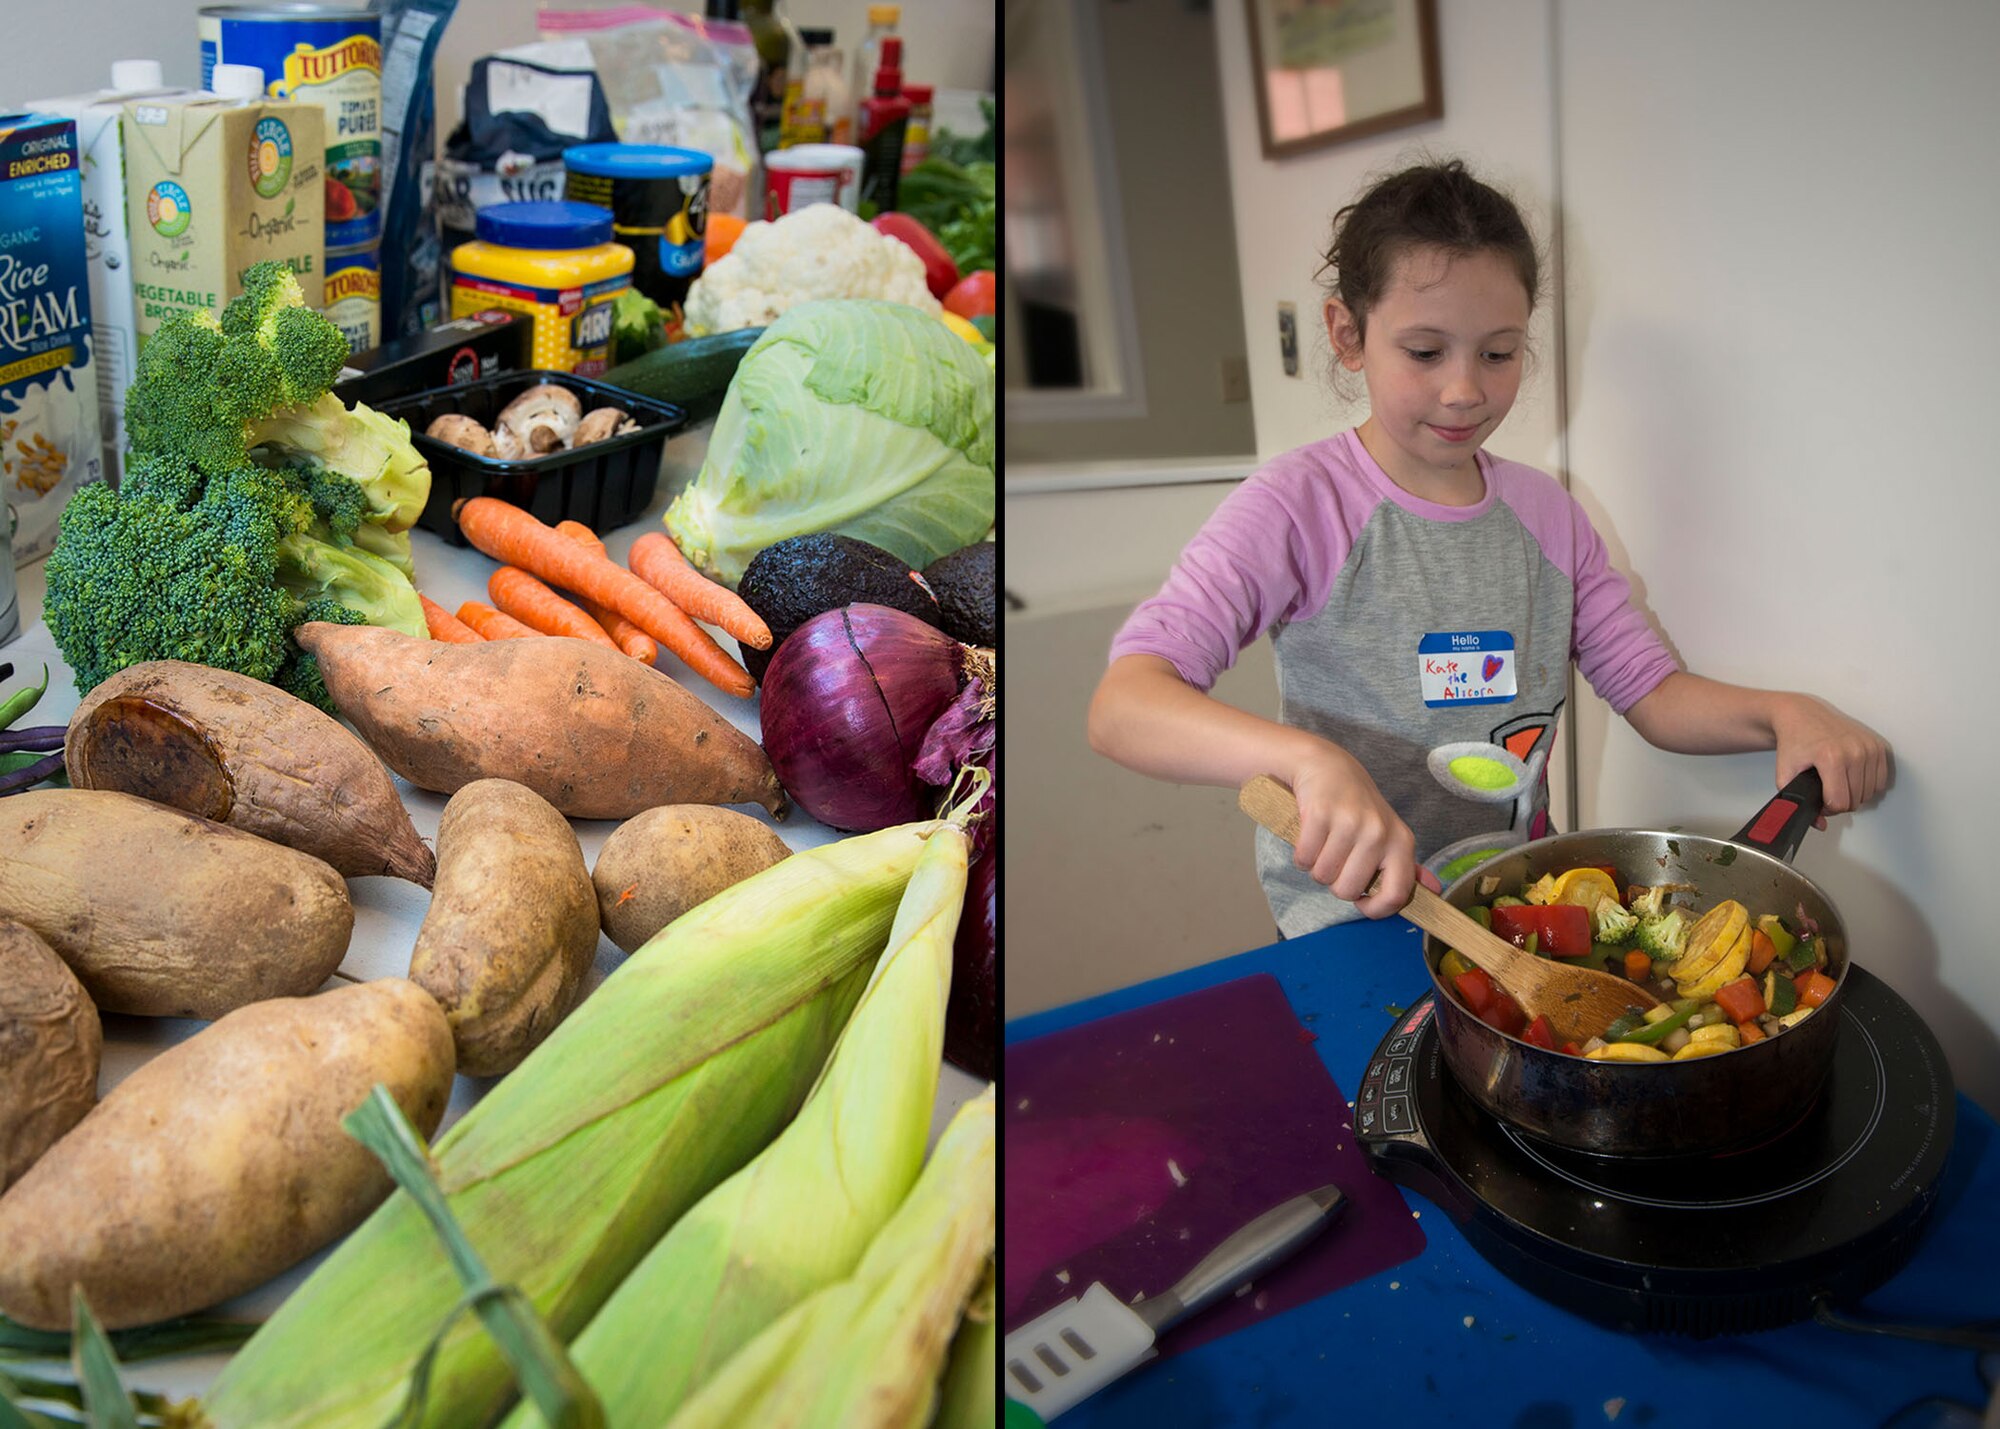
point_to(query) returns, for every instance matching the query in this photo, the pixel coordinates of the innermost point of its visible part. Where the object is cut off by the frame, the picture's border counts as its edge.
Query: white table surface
(389, 911)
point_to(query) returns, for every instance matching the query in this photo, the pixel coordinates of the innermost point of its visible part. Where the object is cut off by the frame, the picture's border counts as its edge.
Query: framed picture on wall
(1328, 71)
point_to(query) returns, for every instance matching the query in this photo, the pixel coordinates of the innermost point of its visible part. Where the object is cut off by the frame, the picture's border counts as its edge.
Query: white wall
(1783, 301)
(1779, 308)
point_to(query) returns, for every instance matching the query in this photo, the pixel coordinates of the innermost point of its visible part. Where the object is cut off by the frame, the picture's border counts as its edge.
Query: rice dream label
(49, 439)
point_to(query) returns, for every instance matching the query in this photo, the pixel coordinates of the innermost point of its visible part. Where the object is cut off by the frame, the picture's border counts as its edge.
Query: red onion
(972, 1016)
(848, 698)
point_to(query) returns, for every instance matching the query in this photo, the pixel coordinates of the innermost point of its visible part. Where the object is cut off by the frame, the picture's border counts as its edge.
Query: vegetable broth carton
(213, 185)
(49, 440)
(107, 239)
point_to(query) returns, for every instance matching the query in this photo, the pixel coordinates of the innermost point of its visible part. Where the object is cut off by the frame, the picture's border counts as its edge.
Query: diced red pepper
(1741, 1000)
(1562, 929)
(1814, 987)
(1572, 1049)
(1477, 990)
(1541, 1032)
(1506, 1015)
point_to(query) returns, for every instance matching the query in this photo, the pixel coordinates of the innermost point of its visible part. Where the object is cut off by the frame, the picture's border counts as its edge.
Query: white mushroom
(542, 419)
(458, 430)
(603, 423)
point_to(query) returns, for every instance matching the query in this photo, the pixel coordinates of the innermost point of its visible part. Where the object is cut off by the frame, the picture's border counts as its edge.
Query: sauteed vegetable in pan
(1726, 978)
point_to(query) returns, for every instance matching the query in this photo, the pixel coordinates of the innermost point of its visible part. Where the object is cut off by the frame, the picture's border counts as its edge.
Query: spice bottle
(884, 116)
(917, 133)
(882, 22)
(824, 110)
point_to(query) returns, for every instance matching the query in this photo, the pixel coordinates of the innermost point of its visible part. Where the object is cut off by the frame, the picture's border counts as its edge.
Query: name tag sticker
(1472, 667)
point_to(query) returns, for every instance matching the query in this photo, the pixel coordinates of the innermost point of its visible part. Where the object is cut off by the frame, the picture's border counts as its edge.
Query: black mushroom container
(603, 485)
(1702, 1106)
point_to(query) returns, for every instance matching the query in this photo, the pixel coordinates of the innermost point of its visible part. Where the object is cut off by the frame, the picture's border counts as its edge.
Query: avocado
(965, 583)
(791, 582)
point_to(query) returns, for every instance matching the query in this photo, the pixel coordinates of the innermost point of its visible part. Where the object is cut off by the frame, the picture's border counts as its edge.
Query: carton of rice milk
(49, 440)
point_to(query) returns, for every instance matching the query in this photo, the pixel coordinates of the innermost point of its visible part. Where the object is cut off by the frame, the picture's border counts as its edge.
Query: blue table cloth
(1397, 1348)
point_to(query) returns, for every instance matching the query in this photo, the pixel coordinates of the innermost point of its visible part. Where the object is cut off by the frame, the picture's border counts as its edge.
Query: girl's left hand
(1852, 759)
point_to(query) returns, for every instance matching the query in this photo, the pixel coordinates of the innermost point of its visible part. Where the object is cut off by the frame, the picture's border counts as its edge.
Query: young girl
(1423, 598)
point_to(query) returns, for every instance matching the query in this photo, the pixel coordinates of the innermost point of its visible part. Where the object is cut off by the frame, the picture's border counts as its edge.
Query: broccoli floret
(1664, 935)
(302, 351)
(134, 578)
(1650, 902)
(300, 674)
(1611, 923)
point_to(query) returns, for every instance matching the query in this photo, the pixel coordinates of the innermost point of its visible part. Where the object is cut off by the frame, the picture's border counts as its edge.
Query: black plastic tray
(603, 485)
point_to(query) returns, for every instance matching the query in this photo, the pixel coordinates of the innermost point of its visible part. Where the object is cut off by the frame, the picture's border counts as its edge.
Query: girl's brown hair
(1432, 205)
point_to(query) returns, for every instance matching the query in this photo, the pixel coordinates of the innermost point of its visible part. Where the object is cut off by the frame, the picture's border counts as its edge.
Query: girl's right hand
(1349, 837)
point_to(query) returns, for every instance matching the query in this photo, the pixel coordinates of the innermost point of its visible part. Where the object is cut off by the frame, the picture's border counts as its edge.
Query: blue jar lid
(543, 225)
(635, 161)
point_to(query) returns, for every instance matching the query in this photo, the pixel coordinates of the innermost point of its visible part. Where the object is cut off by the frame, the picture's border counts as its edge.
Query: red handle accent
(1765, 829)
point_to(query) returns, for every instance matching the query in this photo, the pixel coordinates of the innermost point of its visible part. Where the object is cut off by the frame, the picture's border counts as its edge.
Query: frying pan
(1705, 1105)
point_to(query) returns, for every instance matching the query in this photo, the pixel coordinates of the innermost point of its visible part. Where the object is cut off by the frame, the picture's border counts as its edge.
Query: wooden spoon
(1579, 1002)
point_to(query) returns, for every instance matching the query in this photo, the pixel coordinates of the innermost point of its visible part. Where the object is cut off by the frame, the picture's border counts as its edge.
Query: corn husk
(866, 1353)
(680, 1068)
(802, 1213)
(972, 1374)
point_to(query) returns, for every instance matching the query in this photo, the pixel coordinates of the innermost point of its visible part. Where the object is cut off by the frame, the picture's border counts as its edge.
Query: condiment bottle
(884, 116)
(917, 134)
(882, 22)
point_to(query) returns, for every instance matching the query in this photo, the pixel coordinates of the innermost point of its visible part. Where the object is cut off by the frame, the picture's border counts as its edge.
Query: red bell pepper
(1741, 1000)
(1506, 1015)
(1476, 990)
(974, 297)
(940, 273)
(1561, 930)
(1541, 1032)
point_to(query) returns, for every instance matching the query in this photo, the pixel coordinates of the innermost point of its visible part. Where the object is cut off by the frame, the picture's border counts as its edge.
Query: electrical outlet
(1236, 379)
(1288, 337)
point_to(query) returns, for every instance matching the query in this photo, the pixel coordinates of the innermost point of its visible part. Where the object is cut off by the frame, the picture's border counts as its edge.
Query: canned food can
(658, 197)
(326, 56)
(354, 295)
(809, 174)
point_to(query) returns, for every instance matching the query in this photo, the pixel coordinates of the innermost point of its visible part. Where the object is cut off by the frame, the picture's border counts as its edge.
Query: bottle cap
(919, 93)
(140, 74)
(815, 36)
(561, 224)
(889, 77)
(884, 14)
(237, 82)
(636, 161)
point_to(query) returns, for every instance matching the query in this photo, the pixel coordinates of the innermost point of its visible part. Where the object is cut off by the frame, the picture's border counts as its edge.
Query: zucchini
(693, 373)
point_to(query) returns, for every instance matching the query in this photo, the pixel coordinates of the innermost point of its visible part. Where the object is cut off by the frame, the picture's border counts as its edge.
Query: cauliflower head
(820, 251)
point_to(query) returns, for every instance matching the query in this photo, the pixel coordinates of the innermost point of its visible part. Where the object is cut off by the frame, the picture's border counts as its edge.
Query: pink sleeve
(1614, 646)
(1268, 554)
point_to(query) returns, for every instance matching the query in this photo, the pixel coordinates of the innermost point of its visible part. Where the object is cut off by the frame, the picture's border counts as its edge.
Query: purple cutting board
(1136, 1143)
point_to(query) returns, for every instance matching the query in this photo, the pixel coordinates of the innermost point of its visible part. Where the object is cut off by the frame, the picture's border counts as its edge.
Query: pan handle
(1780, 826)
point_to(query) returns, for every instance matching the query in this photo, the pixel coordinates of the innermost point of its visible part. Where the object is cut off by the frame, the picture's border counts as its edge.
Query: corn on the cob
(802, 1213)
(677, 1071)
(866, 1352)
(972, 1375)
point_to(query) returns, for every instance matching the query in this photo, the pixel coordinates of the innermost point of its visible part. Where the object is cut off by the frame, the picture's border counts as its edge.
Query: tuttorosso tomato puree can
(321, 55)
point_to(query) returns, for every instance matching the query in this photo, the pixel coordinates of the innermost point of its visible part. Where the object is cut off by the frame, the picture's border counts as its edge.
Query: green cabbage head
(865, 418)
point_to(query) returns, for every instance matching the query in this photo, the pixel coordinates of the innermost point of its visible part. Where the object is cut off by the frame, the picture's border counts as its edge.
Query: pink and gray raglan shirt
(1415, 636)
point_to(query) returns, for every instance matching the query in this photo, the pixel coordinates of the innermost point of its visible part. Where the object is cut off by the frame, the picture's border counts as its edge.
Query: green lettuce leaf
(870, 419)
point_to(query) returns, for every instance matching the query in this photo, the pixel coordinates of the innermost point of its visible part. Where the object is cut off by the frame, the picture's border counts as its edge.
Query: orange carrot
(1749, 1032)
(514, 536)
(540, 609)
(629, 637)
(491, 624)
(446, 626)
(1638, 966)
(1762, 951)
(659, 562)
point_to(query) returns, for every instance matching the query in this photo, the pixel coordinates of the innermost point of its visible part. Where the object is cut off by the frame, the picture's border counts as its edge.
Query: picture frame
(1333, 71)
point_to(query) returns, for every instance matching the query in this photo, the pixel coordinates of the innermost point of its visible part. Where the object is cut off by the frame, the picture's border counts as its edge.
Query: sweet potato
(594, 732)
(221, 1161)
(164, 914)
(512, 926)
(50, 1044)
(655, 867)
(247, 754)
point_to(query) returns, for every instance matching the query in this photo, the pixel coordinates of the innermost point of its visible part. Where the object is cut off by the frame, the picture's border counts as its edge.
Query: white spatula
(1061, 1358)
